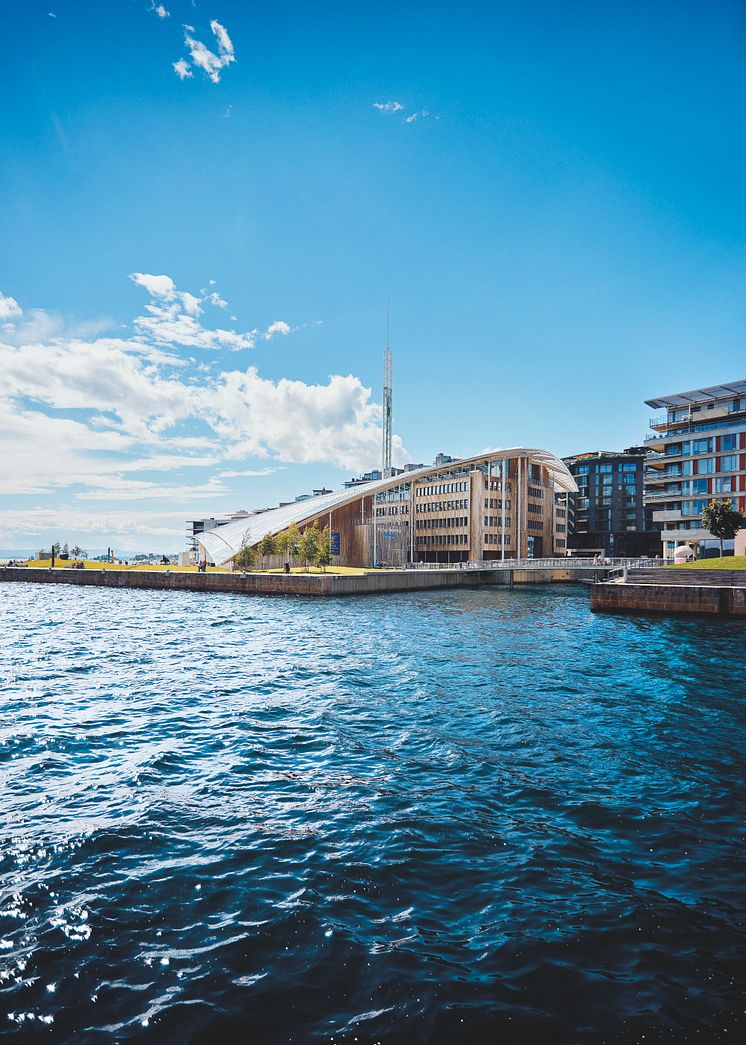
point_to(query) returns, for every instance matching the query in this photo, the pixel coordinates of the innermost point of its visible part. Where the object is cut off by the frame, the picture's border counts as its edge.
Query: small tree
(281, 543)
(244, 560)
(308, 545)
(267, 547)
(293, 540)
(324, 550)
(722, 521)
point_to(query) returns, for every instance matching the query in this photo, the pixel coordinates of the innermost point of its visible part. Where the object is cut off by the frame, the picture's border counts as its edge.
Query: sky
(206, 207)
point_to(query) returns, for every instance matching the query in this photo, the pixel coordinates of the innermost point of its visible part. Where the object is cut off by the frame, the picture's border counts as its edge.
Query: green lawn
(729, 562)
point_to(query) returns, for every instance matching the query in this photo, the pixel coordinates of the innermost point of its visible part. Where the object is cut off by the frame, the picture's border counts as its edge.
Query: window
(728, 442)
(693, 507)
(729, 463)
(702, 446)
(699, 485)
(706, 466)
(724, 485)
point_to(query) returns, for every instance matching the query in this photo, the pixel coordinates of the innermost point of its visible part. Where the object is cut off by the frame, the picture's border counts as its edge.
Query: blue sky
(552, 196)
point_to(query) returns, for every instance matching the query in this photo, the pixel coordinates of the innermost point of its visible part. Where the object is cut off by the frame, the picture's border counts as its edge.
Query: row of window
(534, 524)
(442, 506)
(445, 538)
(720, 484)
(497, 484)
(704, 445)
(606, 469)
(497, 538)
(494, 521)
(394, 509)
(441, 524)
(496, 503)
(434, 491)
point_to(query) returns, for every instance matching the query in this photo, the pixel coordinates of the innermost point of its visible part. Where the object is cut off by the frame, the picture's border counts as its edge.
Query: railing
(694, 427)
(570, 562)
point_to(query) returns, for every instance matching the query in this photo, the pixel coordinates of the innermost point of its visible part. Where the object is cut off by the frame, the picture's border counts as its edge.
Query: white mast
(387, 400)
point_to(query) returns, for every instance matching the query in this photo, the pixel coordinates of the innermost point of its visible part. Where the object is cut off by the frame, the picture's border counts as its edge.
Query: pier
(674, 591)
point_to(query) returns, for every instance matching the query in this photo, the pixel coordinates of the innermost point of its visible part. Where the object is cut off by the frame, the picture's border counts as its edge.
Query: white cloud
(388, 106)
(9, 307)
(203, 58)
(156, 286)
(118, 420)
(161, 11)
(421, 114)
(171, 319)
(181, 68)
(224, 41)
(278, 327)
(248, 473)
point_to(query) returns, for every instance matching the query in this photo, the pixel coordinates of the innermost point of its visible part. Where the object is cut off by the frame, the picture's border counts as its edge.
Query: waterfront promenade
(374, 582)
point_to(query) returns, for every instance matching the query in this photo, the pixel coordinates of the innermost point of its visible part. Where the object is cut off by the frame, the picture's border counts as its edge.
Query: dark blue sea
(478, 816)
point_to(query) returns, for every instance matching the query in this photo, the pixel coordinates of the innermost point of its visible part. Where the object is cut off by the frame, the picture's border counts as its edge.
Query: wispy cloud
(181, 68)
(9, 307)
(172, 318)
(160, 10)
(210, 62)
(394, 107)
(278, 327)
(419, 115)
(388, 106)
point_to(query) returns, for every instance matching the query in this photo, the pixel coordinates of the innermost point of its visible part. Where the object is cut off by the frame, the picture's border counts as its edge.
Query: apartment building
(609, 510)
(699, 455)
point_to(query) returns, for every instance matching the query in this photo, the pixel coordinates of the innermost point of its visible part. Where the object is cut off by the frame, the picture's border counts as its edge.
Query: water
(449, 817)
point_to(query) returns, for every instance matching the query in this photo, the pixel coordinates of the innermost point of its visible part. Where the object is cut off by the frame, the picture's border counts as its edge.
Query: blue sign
(390, 535)
(336, 543)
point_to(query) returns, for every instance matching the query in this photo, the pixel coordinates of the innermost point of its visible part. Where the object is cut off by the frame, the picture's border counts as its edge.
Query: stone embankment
(718, 592)
(325, 584)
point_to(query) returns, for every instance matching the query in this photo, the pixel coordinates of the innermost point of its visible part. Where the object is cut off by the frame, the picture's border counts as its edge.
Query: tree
(281, 543)
(80, 553)
(308, 544)
(244, 559)
(267, 546)
(722, 521)
(324, 550)
(293, 539)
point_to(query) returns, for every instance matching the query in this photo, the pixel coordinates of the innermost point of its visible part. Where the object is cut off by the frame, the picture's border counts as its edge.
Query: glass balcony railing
(696, 426)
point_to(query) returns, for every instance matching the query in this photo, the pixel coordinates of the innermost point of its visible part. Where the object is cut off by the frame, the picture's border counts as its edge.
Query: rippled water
(462, 816)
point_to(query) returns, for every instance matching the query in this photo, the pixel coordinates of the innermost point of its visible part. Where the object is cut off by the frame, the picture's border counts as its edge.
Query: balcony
(663, 495)
(667, 515)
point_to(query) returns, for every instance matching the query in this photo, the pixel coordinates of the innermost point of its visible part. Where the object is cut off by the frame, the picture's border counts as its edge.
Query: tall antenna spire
(387, 400)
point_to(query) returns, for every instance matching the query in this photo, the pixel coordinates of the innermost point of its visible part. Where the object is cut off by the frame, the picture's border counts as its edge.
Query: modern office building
(699, 456)
(609, 511)
(497, 505)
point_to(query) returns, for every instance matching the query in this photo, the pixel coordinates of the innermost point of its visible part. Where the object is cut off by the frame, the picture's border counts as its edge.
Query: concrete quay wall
(263, 583)
(724, 601)
(326, 584)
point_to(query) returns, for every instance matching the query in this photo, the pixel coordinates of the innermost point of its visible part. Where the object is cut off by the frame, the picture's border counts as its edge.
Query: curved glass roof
(223, 542)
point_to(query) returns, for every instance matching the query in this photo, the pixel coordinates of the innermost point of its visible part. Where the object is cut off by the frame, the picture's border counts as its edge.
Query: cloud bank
(92, 419)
